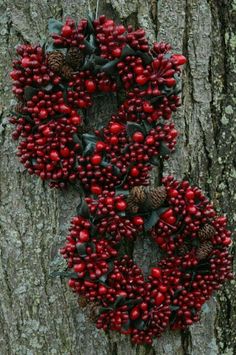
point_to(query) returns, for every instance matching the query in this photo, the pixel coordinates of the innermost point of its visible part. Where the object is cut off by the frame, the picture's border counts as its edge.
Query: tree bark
(38, 314)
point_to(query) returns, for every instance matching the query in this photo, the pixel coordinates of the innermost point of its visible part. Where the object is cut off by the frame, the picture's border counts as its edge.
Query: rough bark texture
(38, 315)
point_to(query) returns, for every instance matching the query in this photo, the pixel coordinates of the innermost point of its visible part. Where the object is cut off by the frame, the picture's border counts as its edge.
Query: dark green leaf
(103, 278)
(48, 87)
(76, 138)
(90, 28)
(133, 127)
(174, 308)
(119, 301)
(89, 48)
(81, 248)
(152, 220)
(127, 50)
(89, 138)
(155, 160)
(120, 191)
(110, 67)
(164, 150)
(105, 309)
(139, 324)
(54, 26)
(29, 92)
(147, 58)
(82, 209)
(126, 326)
(89, 149)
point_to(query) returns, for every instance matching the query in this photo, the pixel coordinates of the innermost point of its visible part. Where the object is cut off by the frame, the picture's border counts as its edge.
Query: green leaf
(89, 138)
(120, 191)
(147, 58)
(75, 138)
(54, 26)
(174, 308)
(82, 209)
(89, 48)
(164, 150)
(89, 149)
(155, 160)
(81, 248)
(48, 87)
(110, 67)
(127, 50)
(139, 324)
(126, 326)
(29, 92)
(119, 301)
(89, 28)
(133, 127)
(152, 220)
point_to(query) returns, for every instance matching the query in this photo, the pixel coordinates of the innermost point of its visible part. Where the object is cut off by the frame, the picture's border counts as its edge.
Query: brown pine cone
(156, 197)
(82, 301)
(136, 198)
(92, 311)
(55, 61)
(183, 249)
(66, 72)
(206, 232)
(74, 58)
(19, 107)
(204, 250)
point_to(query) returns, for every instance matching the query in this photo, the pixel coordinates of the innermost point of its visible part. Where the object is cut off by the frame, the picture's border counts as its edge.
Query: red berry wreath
(55, 84)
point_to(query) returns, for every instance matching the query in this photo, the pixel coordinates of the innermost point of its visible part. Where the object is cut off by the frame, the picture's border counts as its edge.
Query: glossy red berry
(96, 190)
(96, 159)
(116, 128)
(138, 137)
(90, 86)
(141, 79)
(121, 205)
(66, 31)
(156, 272)
(138, 221)
(54, 156)
(84, 236)
(159, 299)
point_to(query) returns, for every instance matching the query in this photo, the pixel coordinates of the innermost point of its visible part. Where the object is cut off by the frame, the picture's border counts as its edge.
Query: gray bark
(39, 315)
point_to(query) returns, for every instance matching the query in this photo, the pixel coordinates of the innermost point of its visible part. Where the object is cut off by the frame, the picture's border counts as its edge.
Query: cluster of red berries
(30, 69)
(54, 88)
(71, 35)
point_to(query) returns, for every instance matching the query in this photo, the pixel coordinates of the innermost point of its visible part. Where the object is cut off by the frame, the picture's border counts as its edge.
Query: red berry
(25, 62)
(138, 137)
(134, 172)
(54, 156)
(114, 140)
(227, 241)
(173, 133)
(116, 52)
(189, 195)
(179, 59)
(150, 140)
(121, 205)
(76, 120)
(84, 236)
(71, 283)
(90, 86)
(138, 221)
(141, 79)
(168, 213)
(159, 299)
(100, 146)
(135, 313)
(116, 128)
(43, 114)
(66, 31)
(147, 107)
(96, 159)
(96, 190)
(102, 290)
(138, 70)
(64, 109)
(156, 272)
(192, 209)
(65, 152)
(79, 267)
(46, 132)
(173, 193)
(170, 82)
(162, 288)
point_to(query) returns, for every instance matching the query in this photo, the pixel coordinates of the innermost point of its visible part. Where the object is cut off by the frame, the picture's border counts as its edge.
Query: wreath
(55, 83)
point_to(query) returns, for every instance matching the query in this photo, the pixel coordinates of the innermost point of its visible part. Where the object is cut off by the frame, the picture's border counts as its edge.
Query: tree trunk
(38, 314)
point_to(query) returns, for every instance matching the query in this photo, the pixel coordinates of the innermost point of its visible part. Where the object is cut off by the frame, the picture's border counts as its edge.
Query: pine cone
(136, 198)
(92, 311)
(74, 58)
(206, 232)
(19, 107)
(55, 61)
(204, 250)
(156, 197)
(66, 72)
(82, 301)
(183, 249)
